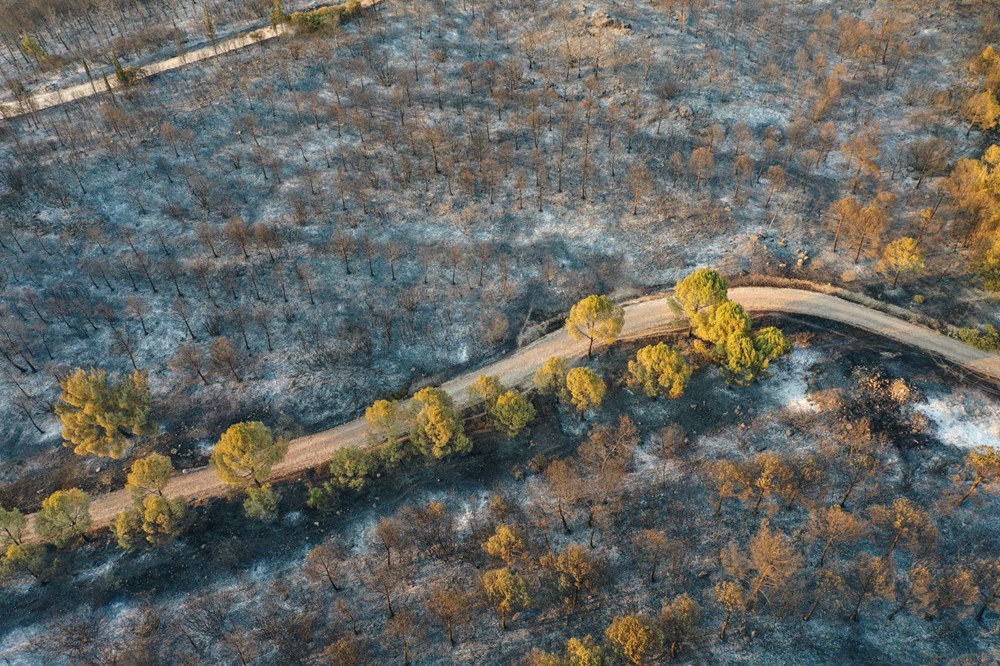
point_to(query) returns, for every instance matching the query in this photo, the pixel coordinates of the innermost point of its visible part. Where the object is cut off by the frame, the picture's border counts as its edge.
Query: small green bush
(985, 337)
(308, 21)
(317, 19)
(919, 299)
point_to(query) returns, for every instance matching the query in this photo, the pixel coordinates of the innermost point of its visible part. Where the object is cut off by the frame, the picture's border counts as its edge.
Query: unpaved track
(643, 319)
(45, 100)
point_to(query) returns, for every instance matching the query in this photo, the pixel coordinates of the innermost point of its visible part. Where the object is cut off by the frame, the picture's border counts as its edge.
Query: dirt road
(643, 319)
(99, 85)
(44, 100)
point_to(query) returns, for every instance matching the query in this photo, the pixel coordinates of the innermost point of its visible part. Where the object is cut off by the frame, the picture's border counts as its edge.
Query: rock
(603, 20)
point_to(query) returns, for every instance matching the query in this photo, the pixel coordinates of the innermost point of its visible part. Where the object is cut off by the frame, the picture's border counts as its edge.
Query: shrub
(660, 370)
(351, 466)
(986, 337)
(261, 503)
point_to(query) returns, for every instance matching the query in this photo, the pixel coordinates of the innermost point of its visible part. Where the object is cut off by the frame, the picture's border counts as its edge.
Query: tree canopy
(550, 378)
(512, 412)
(728, 319)
(595, 319)
(636, 637)
(64, 516)
(153, 520)
(351, 467)
(747, 357)
(903, 255)
(149, 476)
(100, 413)
(507, 591)
(437, 429)
(698, 295)
(245, 454)
(586, 388)
(12, 524)
(508, 410)
(660, 369)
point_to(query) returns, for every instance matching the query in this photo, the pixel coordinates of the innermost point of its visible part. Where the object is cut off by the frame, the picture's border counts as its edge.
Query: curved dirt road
(644, 318)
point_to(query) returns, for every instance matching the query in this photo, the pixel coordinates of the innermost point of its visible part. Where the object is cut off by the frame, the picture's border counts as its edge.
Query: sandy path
(642, 319)
(45, 100)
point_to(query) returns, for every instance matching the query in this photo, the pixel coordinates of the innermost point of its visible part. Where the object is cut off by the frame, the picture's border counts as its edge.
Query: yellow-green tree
(550, 379)
(746, 357)
(100, 414)
(162, 517)
(678, 621)
(31, 46)
(743, 363)
(635, 637)
(539, 657)
(507, 591)
(127, 529)
(660, 369)
(983, 461)
(507, 409)
(987, 65)
(64, 516)
(484, 392)
(989, 268)
(727, 320)
(578, 652)
(437, 429)
(352, 466)
(149, 476)
(25, 558)
(903, 255)
(698, 295)
(974, 186)
(245, 454)
(505, 544)
(261, 502)
(153, 520)
(583, 652)
(578, 570)
(586, 389)
(983, 111)
(771, 343)
(12, 525)
(388, 422)
(511, 412)
(595, 319)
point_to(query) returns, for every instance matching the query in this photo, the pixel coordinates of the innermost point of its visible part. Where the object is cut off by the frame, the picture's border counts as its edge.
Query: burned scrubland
(288, 232)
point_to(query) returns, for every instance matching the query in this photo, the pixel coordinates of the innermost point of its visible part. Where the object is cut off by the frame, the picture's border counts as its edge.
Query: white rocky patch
(965, 418)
